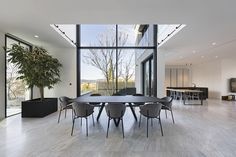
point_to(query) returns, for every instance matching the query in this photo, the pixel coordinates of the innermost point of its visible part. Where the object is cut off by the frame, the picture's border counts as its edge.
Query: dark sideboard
(203, 89)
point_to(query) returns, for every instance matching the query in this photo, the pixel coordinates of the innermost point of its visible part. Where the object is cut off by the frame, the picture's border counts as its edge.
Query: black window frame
(79, 48)
(19, 40)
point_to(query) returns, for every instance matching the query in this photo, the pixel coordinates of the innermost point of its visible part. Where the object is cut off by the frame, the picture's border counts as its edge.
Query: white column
(160, 73)
(2, 76)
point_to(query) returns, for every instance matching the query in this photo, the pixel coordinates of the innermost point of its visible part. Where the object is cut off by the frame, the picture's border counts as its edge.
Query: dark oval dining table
(129, 99)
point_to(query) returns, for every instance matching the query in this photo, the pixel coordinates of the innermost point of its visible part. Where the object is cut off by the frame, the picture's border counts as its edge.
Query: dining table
(128, 99)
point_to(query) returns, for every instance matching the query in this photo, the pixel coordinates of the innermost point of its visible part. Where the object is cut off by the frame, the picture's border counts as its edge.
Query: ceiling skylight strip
(63, 34)
(169, 33)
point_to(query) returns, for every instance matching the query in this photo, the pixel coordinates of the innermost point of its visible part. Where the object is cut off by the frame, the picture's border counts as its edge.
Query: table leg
(117, 122)
(132, 109)
(100, 111)
(201, 97)
(184, 98)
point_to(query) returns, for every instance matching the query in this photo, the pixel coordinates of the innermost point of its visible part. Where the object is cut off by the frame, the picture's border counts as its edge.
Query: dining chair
(151, 110)
(115, 111)
(167, 105)
(65, 103)
(82, 110)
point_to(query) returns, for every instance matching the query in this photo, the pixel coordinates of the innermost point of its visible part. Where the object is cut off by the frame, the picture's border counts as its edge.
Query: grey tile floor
(199, 131)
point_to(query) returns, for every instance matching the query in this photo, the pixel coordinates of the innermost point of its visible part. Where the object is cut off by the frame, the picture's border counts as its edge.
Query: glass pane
(152, 76)
(146, 78)
(127, 35)
(126, 71)
(98, 71)
(16, 88)
(98, 35)
(144, 35)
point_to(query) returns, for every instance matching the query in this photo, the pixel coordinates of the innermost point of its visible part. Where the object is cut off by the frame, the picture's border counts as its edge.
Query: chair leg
(139, 120)
(86, 126)
(72, 113)
(122, 128)
(108, 126)
(161, 126)
(81, 121)
(73, 126)
(65, 112)
(172, 116)
(147, 127)
(93, 120)
(166, 114)
(59, 116)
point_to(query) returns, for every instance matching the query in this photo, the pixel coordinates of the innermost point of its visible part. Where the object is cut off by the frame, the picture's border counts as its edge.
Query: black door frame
(5, 56)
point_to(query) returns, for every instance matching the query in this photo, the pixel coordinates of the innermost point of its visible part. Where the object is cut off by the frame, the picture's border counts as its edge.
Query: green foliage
(36, 68)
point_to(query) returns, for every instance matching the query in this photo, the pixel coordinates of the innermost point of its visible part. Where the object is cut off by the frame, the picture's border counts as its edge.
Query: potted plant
(36, 68)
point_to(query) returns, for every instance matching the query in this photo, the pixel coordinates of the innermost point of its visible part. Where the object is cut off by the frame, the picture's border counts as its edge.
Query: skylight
(165, 32)
(67, 31)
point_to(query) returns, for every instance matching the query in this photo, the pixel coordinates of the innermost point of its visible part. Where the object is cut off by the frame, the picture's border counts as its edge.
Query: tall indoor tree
(36, 68)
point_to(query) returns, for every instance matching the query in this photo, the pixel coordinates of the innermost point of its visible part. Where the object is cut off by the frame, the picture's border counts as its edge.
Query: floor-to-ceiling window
(107, 56)
(16, 90)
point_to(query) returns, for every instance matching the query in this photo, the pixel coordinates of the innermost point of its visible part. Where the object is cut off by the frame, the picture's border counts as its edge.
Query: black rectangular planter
(38, 108)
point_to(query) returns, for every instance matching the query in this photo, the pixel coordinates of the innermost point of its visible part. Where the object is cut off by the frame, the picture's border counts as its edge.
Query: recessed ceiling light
(213, 43)
(194, 51)
(216, 56)
(36, 36)
(202, 56)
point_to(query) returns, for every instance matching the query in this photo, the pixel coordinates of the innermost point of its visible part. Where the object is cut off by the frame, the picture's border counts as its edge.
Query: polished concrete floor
(199, 131)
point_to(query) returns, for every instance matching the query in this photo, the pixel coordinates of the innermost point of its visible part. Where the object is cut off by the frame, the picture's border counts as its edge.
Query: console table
(203, 89)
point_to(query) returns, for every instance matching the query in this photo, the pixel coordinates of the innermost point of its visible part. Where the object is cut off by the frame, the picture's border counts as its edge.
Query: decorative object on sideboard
(229, 98)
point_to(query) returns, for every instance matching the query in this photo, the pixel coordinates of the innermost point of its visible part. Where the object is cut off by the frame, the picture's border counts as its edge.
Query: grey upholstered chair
(167, 105)
(65, 103)
(82, 110)
(151, 110)
(115, 111)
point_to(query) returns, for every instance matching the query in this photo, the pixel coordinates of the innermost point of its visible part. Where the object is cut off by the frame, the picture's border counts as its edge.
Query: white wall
(215, 75)
(160, 72)
(208, 75)
(2, 76)
(67, 57)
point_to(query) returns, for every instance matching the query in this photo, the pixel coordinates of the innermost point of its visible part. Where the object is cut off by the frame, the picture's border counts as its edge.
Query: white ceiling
(207, 21)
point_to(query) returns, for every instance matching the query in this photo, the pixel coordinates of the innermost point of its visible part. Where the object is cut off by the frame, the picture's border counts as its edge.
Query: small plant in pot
(36, 68)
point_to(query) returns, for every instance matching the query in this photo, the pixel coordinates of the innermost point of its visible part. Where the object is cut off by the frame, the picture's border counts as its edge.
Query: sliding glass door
(16, 90)
(148, 77)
